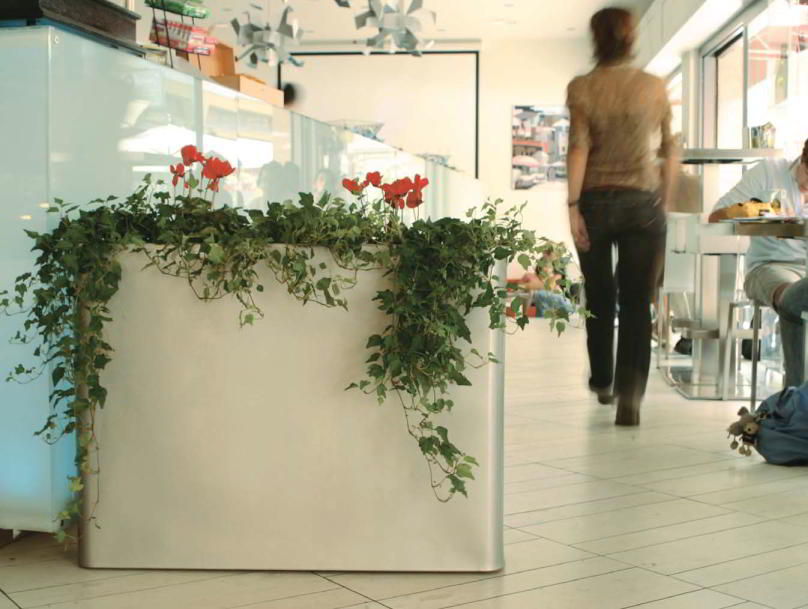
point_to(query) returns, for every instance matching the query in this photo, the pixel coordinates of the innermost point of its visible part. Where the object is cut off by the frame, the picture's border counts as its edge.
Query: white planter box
(229, 448)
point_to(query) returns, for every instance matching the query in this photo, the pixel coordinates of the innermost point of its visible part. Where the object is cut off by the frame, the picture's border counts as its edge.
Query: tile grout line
(757, 573)
(563, 505)
(196, 581)
(667, 498)
(10, 600)
(577, 579)
(336, 583)
(673, 524)
(286, 598)
(502, 573)
(740, 600)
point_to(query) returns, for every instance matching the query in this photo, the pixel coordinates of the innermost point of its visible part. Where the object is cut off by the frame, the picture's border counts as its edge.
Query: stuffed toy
(747, 427)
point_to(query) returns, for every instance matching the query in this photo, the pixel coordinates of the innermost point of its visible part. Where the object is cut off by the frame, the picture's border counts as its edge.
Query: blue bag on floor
(781, 436)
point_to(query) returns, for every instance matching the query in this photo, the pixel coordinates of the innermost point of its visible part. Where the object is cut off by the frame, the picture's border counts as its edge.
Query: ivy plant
(441, 271)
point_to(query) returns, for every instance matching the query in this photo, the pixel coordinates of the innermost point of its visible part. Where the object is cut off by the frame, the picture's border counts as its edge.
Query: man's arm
(751, 186)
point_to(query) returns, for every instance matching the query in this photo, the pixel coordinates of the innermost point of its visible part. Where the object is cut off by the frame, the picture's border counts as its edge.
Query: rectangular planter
(229, 448)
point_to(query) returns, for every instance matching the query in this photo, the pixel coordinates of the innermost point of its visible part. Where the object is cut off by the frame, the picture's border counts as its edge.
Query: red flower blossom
(395, 193)
(214, 185)
(416, 196)
(354, 186)
(191, 155)
(375, 178)
(214, 169)
(179, 172)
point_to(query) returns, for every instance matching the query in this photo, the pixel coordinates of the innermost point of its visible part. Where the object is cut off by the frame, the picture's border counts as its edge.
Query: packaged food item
(189, 8)
(181, 36)
(749, 209)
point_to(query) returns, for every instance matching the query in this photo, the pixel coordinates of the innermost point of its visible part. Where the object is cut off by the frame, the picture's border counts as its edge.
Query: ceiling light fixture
(268, 45)
(398, 27)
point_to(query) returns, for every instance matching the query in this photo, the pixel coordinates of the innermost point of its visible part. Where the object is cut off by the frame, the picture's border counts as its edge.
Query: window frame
(737, 28)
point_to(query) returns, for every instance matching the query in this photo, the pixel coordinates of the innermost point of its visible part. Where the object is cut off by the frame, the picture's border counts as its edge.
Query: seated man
(543, 284)
(775, 268)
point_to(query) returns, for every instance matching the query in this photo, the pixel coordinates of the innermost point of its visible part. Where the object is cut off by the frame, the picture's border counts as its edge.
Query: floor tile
(701, 599)
(524, 486)
(705, 550)
(330, 599)
(663, 534)
(5, 603)
(778, 505)
(566, 495)
(231, 591)
(784, 589)
(133, 582)
(611, 591)
(731, 478)
(532, 471)
(750, 566)
(519, 557)
(508, 584)
(751, 491)
(580, 509)
(510, 536)
(60, 571)
(640, 460)
(627, 520)
(677, 473)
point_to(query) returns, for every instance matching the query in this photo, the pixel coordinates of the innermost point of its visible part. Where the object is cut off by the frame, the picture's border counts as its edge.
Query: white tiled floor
(663, 516)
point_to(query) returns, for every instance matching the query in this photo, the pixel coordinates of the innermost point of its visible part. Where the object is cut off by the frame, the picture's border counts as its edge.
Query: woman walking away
(616, 197)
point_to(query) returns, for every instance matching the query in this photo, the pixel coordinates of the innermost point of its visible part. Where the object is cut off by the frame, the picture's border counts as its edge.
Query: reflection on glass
(778, 73)
(675, 99)
(729, 108)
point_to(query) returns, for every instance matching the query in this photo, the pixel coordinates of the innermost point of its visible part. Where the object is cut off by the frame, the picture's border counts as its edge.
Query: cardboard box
(219, 63)
(253, 87)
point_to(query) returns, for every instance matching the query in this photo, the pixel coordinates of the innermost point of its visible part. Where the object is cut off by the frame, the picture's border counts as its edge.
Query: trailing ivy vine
(441, 271)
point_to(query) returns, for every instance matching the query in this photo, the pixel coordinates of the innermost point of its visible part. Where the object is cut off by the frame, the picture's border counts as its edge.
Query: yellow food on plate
(749, 209)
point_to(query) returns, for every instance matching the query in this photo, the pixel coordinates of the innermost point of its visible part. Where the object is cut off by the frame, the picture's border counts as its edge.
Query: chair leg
(726, 343)
(755, 335)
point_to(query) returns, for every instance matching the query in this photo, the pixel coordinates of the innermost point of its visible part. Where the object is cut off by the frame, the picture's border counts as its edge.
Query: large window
(777, 73)
(729, 95)
(756, 79)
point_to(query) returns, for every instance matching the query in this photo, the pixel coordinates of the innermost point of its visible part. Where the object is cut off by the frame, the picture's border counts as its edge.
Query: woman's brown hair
(805, 154)
(612, 33)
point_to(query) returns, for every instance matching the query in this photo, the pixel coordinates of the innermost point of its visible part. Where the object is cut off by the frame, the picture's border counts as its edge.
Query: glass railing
(81, 120)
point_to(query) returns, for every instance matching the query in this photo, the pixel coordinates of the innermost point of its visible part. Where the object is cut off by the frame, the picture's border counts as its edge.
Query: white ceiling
(461, 19)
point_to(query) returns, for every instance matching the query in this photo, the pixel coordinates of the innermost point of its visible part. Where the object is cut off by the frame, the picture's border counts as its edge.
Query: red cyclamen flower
(214, 169)
(375, 178)
(395, 193)
(354, 186)
(416, 196)
(179, 172)
(191, 155)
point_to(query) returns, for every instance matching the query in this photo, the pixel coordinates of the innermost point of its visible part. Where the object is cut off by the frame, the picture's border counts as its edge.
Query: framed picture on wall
(539, 142)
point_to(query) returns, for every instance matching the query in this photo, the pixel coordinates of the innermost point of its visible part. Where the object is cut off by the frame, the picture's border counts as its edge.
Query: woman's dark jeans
(634, 221)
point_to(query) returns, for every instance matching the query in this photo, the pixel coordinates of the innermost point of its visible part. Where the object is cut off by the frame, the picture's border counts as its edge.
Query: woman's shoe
(627, 415)
(604, 394)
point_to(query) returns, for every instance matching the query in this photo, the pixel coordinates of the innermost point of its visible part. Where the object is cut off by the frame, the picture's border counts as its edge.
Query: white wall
(525, 72)
(425, 104)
